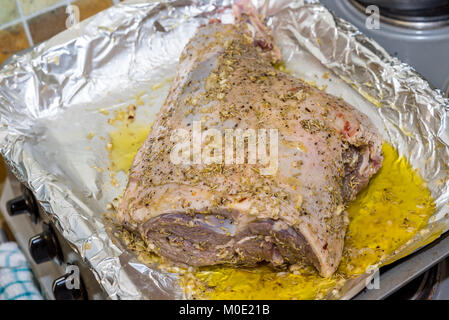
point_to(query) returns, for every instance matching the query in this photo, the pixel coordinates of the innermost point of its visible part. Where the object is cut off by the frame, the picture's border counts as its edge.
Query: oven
(53, 260)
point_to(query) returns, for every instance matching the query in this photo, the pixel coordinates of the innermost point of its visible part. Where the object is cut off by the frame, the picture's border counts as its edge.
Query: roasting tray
(51, 97)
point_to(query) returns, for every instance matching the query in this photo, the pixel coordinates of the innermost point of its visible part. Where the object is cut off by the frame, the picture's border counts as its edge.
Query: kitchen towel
(16, 278)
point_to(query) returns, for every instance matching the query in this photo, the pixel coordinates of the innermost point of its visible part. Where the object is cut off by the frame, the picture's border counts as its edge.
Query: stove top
(418, 14)
(417, 32)
(431, 285)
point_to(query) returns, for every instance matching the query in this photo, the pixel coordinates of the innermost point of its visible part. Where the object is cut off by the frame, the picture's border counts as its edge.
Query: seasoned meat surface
(216, 213)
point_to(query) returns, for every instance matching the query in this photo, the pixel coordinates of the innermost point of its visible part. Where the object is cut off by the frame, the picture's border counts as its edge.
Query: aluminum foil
(50, 100)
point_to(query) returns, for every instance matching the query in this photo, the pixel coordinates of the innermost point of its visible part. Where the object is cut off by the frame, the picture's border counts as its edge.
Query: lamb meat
(201, 214)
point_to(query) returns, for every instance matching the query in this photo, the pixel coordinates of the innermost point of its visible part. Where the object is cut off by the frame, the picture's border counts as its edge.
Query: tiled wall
(24, 23)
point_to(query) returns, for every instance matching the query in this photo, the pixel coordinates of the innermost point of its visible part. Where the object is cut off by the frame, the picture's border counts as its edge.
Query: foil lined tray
(50, 100)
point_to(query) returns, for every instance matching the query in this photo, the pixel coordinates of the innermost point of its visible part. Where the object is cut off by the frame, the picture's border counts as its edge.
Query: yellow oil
(385, 215)
(124, 143)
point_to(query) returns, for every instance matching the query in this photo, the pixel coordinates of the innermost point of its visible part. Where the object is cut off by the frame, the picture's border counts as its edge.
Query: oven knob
(44, 247)
(24, 204)
(63, 289)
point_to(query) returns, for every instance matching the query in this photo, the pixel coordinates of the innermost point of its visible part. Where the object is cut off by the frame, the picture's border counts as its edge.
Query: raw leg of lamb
(201, 214)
